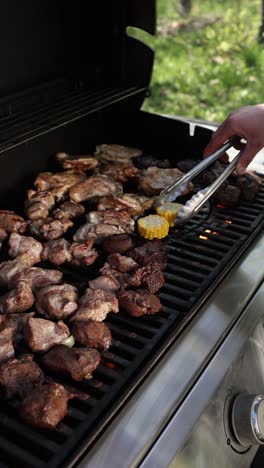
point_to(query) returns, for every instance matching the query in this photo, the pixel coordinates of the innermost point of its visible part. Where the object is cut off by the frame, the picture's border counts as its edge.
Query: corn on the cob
(169, 211)
(153, 226)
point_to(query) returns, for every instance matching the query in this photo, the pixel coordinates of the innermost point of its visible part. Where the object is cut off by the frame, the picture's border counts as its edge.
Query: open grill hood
(71, 79)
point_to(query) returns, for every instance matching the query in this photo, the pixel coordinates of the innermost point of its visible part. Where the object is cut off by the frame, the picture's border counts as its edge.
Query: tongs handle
(174, 190)
(198, 200)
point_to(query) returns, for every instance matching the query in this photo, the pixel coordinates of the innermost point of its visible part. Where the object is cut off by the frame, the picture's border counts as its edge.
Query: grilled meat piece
(21, 298)
(139, 302)
(153, 180)
(3, 236)
(49, 228)
(38, 204)
(117, 244)
(41, 334)
(57, 251)
(210, 175)
(47, 405)
(77, 363)
(104, 223)
(60, 183)
(81, 163)
(146, 160)
(152, 251)
(121, 263)
(106, 283)
(95, 304)
(149, 276)
(95, 186)
(36, 277)
(18, 377)
(91, 333)
(116, 153)
(121, 172)
(24, 249)
(107, 270)
(127, 203)
(146, 202)
(227, 195)
(8, 271)
(57, 301)
(69, 209)
(248, 184)
(83, 254)
(13, 324)
(11, 222)
(7, 350)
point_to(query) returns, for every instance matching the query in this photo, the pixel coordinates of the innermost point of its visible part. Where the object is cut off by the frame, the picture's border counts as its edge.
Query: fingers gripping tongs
(176, 189)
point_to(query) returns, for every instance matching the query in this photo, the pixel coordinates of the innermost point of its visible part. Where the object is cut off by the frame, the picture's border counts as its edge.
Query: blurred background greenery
(209, 59)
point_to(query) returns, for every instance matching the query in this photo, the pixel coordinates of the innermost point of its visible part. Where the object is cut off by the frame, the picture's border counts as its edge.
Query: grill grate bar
(193, 244)
(44, 124)
(192, 256)
(19, 456)
(180, 270)
(193, 264)
(180, 292)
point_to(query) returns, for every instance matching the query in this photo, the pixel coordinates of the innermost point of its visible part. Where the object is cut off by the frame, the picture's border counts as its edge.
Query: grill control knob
(248, 419)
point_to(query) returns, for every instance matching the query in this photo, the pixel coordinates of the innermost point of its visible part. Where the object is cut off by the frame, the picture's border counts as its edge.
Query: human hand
(246, 122)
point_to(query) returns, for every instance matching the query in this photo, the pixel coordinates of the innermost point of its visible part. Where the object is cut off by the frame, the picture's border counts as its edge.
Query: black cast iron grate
(198, 259)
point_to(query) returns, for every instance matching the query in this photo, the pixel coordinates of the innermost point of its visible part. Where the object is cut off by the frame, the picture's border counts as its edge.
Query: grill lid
(44, 41)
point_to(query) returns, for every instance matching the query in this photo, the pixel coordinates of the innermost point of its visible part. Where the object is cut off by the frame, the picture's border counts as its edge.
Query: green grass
(206, 71)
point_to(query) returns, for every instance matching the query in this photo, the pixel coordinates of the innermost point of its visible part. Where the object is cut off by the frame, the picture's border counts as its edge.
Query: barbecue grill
(72, 78)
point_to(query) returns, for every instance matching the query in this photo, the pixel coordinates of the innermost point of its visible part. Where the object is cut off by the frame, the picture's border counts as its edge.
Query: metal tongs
(173, 191)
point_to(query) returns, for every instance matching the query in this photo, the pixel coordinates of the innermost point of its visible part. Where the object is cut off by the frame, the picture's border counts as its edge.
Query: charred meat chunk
(91, 333)
(38, 204)
(11, 222)
(152, 251)
(95, 305)
(47, 405)
(121, 172)
(83, 254)
(41, 334)
(57, 301)
(227, 195)
(248, 185)
(213, 173)
(18, 377)
(146, 160)
(58, 184)
(69, 209)
(57, 251)
(19, 299)
(105, 223)
(77, 363)
(8, 271)
(117, 244)
(49, 228)
(116, 154)
(13, 324)
(145, 201)
(95, 186)
(149, 276)
(3, 236)
(121, 262)
(7, 350)
(24, 249)
(106, 283)
(81, 163)
(132, 206)
(153, 180)
(139, 302)
(36, 277)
